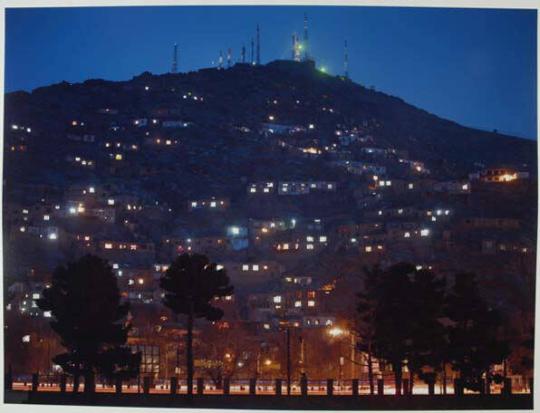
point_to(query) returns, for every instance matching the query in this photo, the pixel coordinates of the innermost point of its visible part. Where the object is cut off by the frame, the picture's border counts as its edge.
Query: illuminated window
(322, 238)
(369, 248)
(298, 303)
(46, 217)
(53, 236)
(407, 235)
(309, 246)
(255, 267)
(193, 204)
(309, 238)
(311, 303)
(213, 204)
(424, 232)
(118, 157)
(92, 190)
(245, 267)
(411, 186)
(108, 246)
(277, 299)
(253, 190)
(110, 201)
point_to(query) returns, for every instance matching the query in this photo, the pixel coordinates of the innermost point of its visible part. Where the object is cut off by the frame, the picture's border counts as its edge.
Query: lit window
(46, 217)
(92, 190)
(465, 187)
(266, 326)
(110, 201)
(424, 232)
(407, 235)
(47, 314)
(388, 183)
(309, 238)
(108, 246)
(298, 303)
(141, 281)
(118, 157)
(369, 248)
(245, 267)
(253, 190)
(411, 186)
(26, 338)
(213, 204)
(309, 246)
(22, 229)
(219, 267)
(311, 303)
(255, 267)
(53, 236)
(322, 238)
(277, 299)
(194, 205)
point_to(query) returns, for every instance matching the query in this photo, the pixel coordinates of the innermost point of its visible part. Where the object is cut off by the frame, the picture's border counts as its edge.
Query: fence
(230, 386)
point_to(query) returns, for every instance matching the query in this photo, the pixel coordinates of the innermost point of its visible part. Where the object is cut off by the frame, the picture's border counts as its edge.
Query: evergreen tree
(474, 339)
(87, 314)
(190, 283)
(428, 340)
(392, 327)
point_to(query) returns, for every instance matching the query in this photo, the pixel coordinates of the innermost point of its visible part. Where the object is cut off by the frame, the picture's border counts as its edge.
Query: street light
(336, 332)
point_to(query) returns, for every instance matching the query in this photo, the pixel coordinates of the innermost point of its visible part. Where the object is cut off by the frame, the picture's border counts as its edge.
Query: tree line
(407, 317)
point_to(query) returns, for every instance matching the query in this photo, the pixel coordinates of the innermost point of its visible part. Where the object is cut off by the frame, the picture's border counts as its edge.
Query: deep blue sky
(477, 67)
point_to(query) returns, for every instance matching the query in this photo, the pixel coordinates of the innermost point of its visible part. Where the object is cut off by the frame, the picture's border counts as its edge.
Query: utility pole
(288, 361)
(302, 355)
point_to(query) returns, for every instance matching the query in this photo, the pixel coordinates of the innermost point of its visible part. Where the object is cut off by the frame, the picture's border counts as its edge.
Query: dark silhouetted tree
(428, 340)
(87, 314)
(392, 330)
(474, 336)
(190, 283)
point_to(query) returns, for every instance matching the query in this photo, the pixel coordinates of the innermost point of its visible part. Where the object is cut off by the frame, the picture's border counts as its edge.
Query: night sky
(477, 67)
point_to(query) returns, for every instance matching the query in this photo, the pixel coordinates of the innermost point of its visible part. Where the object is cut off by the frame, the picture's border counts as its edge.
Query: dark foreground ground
(417, 402)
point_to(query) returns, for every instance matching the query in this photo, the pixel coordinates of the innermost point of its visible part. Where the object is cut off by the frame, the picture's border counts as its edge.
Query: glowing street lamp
(336, 332)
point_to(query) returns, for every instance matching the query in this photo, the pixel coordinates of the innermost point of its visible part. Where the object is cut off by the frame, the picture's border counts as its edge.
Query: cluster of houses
(370, 202)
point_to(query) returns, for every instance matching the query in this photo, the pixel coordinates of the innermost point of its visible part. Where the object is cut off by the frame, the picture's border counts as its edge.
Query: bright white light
(336, 332)
(26, 338)
(424, 232)
(53, 236)
(277, 299)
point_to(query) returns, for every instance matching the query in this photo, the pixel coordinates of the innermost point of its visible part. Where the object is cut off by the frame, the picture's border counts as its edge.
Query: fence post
(405, 387)
(330, 387)
(63, 382)
(146, 385)
(303, 385)
(252, 386)
(355, 387)
(458, 388)
(531, 383)
(200, 385)
(174, 385)
(226, 386)
(380, 387)
(35, 382)
(8, 383)
(431, 386)
(507, 389)
(488, 385)
(278, 387)
(118, 385)
(483, 386)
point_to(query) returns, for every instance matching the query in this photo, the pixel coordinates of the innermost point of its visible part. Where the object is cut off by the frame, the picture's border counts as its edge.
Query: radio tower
(296, 51)
(220, 61)
(252, 56)
(174, 68)
(258, 61)
(346, 61)
(243, 54)
(306, 55)
(229, 57)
